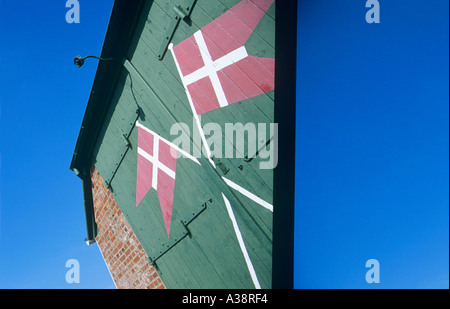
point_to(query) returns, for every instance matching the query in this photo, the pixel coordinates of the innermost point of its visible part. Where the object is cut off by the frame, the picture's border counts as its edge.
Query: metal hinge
(220, 165)
(250, 158)
(179, 13)
(185, 223)
(126, 138)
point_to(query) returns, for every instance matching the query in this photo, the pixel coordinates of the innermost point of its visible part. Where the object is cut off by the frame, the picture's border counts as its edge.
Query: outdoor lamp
(79, 61)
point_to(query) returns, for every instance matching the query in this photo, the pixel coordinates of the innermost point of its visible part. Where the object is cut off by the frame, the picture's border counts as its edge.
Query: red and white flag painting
(156, 168)
(214, 65)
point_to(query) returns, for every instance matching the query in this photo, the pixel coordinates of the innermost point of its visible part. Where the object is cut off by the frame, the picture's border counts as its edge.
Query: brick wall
(125, 258)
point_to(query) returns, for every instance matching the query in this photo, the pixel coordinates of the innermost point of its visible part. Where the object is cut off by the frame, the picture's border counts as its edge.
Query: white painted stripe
(196, 76)
(230, 58)
(248, 194)
(184, 153)
(194, 112)
(219, 64)
(211, 69)
(241, 243)
(156, 164)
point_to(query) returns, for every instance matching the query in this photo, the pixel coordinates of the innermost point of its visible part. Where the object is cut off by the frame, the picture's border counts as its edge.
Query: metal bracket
(249, 159)
(180, 13)
(220, 165)
(126, 138)
(177, 240)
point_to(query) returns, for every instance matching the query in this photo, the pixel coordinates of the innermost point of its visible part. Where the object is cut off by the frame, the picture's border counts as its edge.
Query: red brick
(124, 255)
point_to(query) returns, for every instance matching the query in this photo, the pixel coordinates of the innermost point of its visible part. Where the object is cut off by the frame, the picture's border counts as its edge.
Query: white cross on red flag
(156, 166)
(214, 65)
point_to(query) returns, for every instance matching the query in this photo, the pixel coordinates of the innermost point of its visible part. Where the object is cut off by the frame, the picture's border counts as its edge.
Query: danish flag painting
(156, 166)
(214, 65)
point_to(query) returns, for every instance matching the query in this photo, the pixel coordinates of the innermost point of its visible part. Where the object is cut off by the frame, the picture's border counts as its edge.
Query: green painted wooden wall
(211, 256)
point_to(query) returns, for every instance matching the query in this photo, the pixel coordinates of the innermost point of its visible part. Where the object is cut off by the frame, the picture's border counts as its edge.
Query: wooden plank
(215, 5)
(253, 172)
(253, 234)
(230, 3)
(164, 85)
(206, 11)
(210, 281)
(208, 226)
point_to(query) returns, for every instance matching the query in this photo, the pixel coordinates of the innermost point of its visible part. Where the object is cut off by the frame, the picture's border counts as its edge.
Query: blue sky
(372, 145)
(43, 99)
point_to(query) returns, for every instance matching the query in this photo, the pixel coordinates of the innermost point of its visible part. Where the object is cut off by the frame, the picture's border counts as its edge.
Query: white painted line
(156, 165)
(194, 112)
(155, 162)
(248, 194)
(241, 243)
(211, 69)
(230, 58)
(184, 153)
(219, 64)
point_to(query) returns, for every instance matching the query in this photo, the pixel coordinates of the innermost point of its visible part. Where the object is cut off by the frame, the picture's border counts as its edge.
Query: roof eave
(122, 24)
